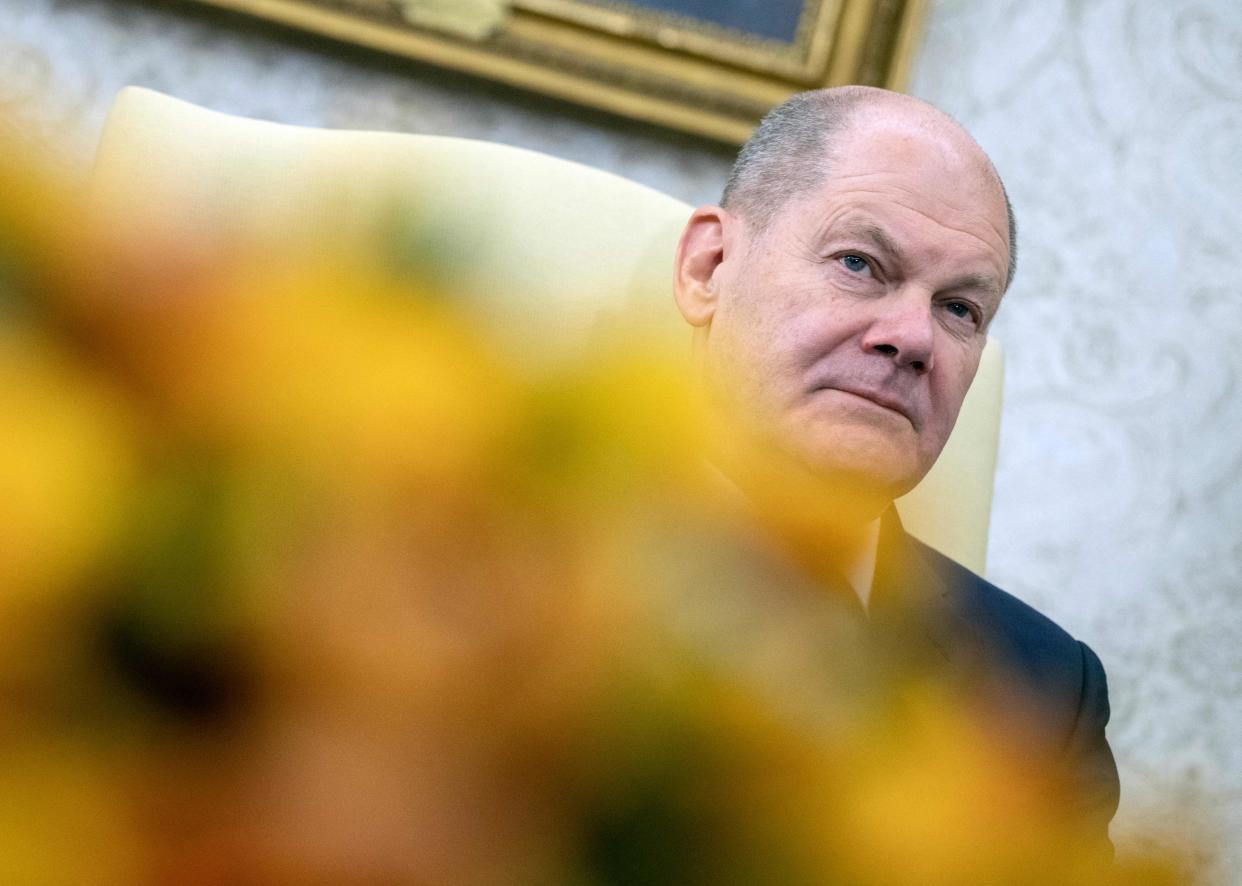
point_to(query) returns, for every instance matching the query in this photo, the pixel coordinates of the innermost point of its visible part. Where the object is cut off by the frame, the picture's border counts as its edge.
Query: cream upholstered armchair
(548, 245)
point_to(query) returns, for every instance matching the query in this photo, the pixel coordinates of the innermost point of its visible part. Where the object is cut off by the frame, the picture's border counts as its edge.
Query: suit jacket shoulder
(1058, 679)
(1028, 641)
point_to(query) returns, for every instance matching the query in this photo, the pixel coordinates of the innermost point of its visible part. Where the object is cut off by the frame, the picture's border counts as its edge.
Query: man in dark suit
(841, 295)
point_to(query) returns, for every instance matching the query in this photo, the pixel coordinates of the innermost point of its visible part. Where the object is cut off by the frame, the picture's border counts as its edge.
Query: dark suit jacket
(1053, 685)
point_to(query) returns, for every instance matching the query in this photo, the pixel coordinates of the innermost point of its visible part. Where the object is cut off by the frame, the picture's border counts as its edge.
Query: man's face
(847, 333)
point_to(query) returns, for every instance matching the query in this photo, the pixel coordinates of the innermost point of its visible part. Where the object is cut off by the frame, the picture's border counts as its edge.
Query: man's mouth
(877, 398)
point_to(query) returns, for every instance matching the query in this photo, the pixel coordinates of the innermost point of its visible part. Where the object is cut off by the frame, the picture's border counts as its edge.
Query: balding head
(796, 145)
(843, 296)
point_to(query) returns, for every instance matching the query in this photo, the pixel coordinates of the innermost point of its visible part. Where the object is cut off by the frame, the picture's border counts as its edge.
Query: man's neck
(828, 539)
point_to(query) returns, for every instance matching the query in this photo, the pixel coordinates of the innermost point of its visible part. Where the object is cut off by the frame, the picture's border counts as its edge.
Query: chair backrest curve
(549, 247)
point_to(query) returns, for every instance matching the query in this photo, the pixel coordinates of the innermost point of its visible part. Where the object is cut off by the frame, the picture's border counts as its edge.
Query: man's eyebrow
(873, 232)
(867, 230)
(985, 282)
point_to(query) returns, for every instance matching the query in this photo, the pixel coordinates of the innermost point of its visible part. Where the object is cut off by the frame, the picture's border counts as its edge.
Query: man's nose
(904, 330)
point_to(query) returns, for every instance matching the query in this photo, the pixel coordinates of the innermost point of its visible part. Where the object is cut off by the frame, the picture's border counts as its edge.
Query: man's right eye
(855, 263)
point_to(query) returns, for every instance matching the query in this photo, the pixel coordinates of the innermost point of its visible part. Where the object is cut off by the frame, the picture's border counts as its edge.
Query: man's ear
(703, 247)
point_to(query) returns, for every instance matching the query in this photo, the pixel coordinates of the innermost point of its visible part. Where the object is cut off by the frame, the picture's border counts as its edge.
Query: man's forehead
(920, 125)
(885, 170)
(899, 152)
(925, 155)
(924, 163)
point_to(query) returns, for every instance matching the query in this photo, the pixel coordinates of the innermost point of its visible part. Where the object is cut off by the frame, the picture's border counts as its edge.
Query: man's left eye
(960, 309)
(855, 263)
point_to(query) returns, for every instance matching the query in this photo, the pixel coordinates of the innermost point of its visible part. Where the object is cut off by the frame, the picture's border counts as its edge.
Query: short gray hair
(791, 151)
(788, 154)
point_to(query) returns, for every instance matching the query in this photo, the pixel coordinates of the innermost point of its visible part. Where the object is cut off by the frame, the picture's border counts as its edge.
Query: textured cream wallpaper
(1117, 125)
(62, 61)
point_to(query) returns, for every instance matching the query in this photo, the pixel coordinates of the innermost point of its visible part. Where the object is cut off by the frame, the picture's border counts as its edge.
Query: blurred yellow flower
(303, 582)
(68, 461)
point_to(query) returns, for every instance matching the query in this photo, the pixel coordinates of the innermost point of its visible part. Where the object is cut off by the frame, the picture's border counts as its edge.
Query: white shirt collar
(858, 568)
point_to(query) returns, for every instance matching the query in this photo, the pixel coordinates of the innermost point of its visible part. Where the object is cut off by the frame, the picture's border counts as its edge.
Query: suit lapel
(912, 603)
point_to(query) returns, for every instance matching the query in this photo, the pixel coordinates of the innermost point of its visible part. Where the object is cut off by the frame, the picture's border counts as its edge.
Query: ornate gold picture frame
(710, 67)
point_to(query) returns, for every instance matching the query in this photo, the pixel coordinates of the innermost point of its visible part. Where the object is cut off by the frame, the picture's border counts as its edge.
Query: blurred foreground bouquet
(304, 582)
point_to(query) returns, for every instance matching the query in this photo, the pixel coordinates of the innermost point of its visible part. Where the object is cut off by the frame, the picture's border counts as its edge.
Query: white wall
(62, 61)
(1117, 126)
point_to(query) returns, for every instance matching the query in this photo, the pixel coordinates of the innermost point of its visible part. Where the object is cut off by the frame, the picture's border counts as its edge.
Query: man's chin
(873, 475)
(852, 470)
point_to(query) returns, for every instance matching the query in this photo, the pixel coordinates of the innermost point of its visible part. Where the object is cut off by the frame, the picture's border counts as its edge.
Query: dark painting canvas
(767, 19)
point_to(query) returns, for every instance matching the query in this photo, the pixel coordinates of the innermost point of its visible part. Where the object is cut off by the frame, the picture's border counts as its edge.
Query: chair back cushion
(548, 247)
